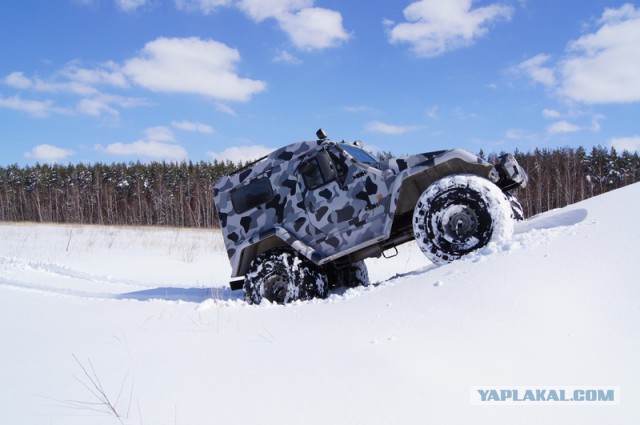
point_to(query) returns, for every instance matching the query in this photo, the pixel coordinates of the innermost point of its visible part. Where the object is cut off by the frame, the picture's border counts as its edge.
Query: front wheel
(460, 214)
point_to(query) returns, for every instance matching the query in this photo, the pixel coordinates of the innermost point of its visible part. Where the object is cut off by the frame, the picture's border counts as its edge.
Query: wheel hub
(462, 223)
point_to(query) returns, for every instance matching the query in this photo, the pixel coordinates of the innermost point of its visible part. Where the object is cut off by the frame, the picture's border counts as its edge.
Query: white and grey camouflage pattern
(341, 217)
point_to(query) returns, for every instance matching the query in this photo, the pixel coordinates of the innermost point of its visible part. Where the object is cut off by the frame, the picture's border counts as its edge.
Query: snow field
(555, 305)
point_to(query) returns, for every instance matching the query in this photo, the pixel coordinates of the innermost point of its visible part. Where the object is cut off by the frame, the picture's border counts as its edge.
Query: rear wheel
(460, 214)
(282, 276)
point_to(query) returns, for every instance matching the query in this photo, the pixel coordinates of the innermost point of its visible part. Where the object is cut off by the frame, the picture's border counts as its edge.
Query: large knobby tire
(282, 276)
(517, 212)
(351, 275)
(460, 214)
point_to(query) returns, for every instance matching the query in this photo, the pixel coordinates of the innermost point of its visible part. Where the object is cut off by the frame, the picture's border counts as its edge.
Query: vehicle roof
(274, 159)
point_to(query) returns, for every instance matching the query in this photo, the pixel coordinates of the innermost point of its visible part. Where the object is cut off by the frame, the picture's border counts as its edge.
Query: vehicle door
(339, 193)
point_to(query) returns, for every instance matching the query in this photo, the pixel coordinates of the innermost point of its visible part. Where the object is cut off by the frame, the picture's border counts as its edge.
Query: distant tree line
(559, 177)
(157, 193)
(180, 194)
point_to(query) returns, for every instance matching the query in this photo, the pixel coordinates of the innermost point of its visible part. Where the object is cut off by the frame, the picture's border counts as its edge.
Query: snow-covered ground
(140, 319)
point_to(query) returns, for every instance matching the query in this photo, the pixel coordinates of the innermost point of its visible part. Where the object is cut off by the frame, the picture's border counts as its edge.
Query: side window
(250, 196)
(311, 174)
(318, 171)
(341, 168)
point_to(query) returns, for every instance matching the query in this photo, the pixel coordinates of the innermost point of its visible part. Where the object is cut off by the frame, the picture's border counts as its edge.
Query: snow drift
(123, 325)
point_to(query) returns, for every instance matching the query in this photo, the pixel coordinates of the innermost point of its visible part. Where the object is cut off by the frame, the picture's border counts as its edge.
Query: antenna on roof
(321, 134)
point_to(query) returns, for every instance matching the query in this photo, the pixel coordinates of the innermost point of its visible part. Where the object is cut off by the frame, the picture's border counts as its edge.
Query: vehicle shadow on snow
(193, 295)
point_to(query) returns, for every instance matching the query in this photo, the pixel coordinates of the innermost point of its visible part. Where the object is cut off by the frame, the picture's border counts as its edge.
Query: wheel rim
(464, 225)
(460, 222)
(276, 289)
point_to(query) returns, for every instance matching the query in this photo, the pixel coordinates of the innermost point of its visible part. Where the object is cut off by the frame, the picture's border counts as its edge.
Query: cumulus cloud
(381, 127)
(314, 28)
(145, 149)
(435, 27)
(259, 10)
(191, 65)
(48, 153)
(176, 65)
(308, 27)
(243, 153)
(602, 67)
(18, 80)
(194, 127)
(563, 127)
(158, 143)
(631, 143)
(535, 69)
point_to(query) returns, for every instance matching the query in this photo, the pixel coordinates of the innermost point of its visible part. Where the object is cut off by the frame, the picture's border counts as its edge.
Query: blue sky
(127, 80)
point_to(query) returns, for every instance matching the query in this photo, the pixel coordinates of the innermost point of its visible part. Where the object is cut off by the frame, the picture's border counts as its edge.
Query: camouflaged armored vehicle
(306, 216)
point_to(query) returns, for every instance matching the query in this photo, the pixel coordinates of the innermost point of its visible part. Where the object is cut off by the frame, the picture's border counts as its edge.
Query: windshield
(359, 155)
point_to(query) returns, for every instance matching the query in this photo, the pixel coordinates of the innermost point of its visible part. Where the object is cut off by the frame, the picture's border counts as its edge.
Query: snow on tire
(282, 276)
(516, 207)
(460, 214)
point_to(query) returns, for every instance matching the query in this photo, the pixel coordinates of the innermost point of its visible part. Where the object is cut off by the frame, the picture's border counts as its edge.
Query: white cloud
(108, 73)
(259, 10)
(595, 122)
(48, 153)
(562, 127)
(631, 144)
(145, 149)
(191, 65)
(602, 67)
(37, 108)
(104, 104)
(520, 134)
(432, 112)
(353, 109)
(381, 127)
(159, 134)
(237, 154)
(314, 28)
(308, 27)
(95, 107)
(18, 80)
(550, 113)
(286, 57)
(203, 6)
(435, 27)
(225, 109)
(534, 68)
(194, 127)
(130, 5)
